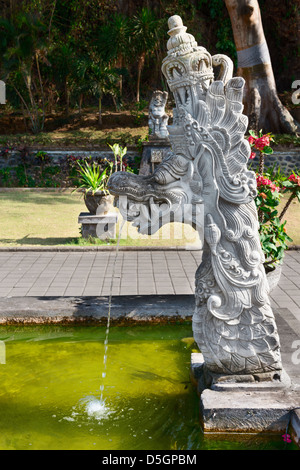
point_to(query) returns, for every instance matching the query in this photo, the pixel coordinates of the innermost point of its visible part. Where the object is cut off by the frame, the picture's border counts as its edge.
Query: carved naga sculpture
(206, 173)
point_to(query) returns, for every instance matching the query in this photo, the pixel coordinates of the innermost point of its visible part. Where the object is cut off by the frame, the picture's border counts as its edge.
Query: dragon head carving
(170, 194)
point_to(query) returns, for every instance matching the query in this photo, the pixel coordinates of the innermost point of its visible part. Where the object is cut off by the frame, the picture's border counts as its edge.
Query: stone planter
(273, 277)
(98, 202)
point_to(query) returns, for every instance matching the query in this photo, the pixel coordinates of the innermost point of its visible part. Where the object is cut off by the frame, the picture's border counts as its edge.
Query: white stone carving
(206, 173)
(158, 118)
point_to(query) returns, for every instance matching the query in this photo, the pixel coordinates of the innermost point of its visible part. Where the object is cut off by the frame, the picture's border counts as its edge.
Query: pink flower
(262, 142)
(287, 438)
(251, 139)
(262, 181)
(252, 155)
(294, 179)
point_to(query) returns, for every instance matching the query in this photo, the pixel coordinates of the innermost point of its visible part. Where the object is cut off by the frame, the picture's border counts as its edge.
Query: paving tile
(73, 292)
(148, 292)
(142, 273)
(164, 292)
(4, 292)
(92, 292)
(55, 293)
(36, 292)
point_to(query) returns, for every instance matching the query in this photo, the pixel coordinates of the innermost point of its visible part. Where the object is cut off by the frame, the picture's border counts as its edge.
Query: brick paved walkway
(89, 274)
(136, 273)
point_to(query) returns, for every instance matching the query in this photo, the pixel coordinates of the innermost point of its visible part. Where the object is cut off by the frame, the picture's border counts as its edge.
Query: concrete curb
(249, 412)
(63, 248)
(25, 249)
(72, 310)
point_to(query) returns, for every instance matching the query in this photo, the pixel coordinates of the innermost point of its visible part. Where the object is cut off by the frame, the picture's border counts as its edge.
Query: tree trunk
(80, 105)
(42, 122)
(67, 98)
(120, 65)
(140, 67)
(100, 111)
(262, 105)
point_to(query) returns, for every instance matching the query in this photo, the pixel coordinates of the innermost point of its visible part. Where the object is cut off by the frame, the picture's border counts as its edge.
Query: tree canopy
(66, 54)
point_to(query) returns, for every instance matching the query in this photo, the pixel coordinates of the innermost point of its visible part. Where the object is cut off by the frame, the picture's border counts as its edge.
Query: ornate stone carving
(158, 119)
(204, 181)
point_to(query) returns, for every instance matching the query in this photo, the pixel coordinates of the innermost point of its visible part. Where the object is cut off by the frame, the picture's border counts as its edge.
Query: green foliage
(91, 179)
(5, 177)
(139, 112)
(113, 38)
(144, 26)
(140, 142)
(119, 153)
(272, 184)
(62, 55)
(287, 139)
(23, 45)
(292, 185)
(91, 175)
(218, 13)
(274, 241)
(23, 179)
(272, 232)
(275, 173)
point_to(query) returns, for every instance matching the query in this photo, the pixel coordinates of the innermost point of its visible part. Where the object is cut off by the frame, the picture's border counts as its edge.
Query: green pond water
(51, 385)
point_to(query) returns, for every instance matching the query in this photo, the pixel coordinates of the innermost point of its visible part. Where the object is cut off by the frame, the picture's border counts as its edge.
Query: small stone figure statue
(158, 119)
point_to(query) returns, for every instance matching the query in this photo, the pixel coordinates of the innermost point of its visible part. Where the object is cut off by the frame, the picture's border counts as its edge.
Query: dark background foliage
(66, 54)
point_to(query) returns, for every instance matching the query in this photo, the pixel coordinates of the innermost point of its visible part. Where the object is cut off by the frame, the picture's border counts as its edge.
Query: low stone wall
(13, 158)
(47, 167)
(286, 159)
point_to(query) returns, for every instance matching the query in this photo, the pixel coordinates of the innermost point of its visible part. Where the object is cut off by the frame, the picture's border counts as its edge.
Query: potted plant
(271, 186)
(93, 180)
(93, 184)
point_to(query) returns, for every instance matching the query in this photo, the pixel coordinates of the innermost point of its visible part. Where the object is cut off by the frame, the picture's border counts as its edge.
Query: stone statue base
(204, 379)
(102, 226)
(154, 152)
(241, 404)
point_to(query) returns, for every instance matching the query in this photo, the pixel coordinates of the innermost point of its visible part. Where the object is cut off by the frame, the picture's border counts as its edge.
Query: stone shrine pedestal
(154, 152)
(102, 226)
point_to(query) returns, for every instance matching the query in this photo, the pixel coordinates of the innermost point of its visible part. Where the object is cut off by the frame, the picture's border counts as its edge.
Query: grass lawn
(45, 218)
(51, 218)
(85, 137)
(85, 132)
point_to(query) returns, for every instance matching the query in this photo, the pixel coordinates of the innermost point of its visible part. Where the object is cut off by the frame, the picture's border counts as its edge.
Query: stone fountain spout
(206, 176)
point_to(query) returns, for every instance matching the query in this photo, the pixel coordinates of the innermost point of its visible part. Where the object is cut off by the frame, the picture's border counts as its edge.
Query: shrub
(271, 185)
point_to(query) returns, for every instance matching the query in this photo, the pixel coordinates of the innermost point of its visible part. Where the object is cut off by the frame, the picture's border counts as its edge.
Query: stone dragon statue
(204, 181)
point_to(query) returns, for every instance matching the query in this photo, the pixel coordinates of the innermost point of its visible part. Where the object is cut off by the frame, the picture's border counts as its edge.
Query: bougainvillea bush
(271, 186)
